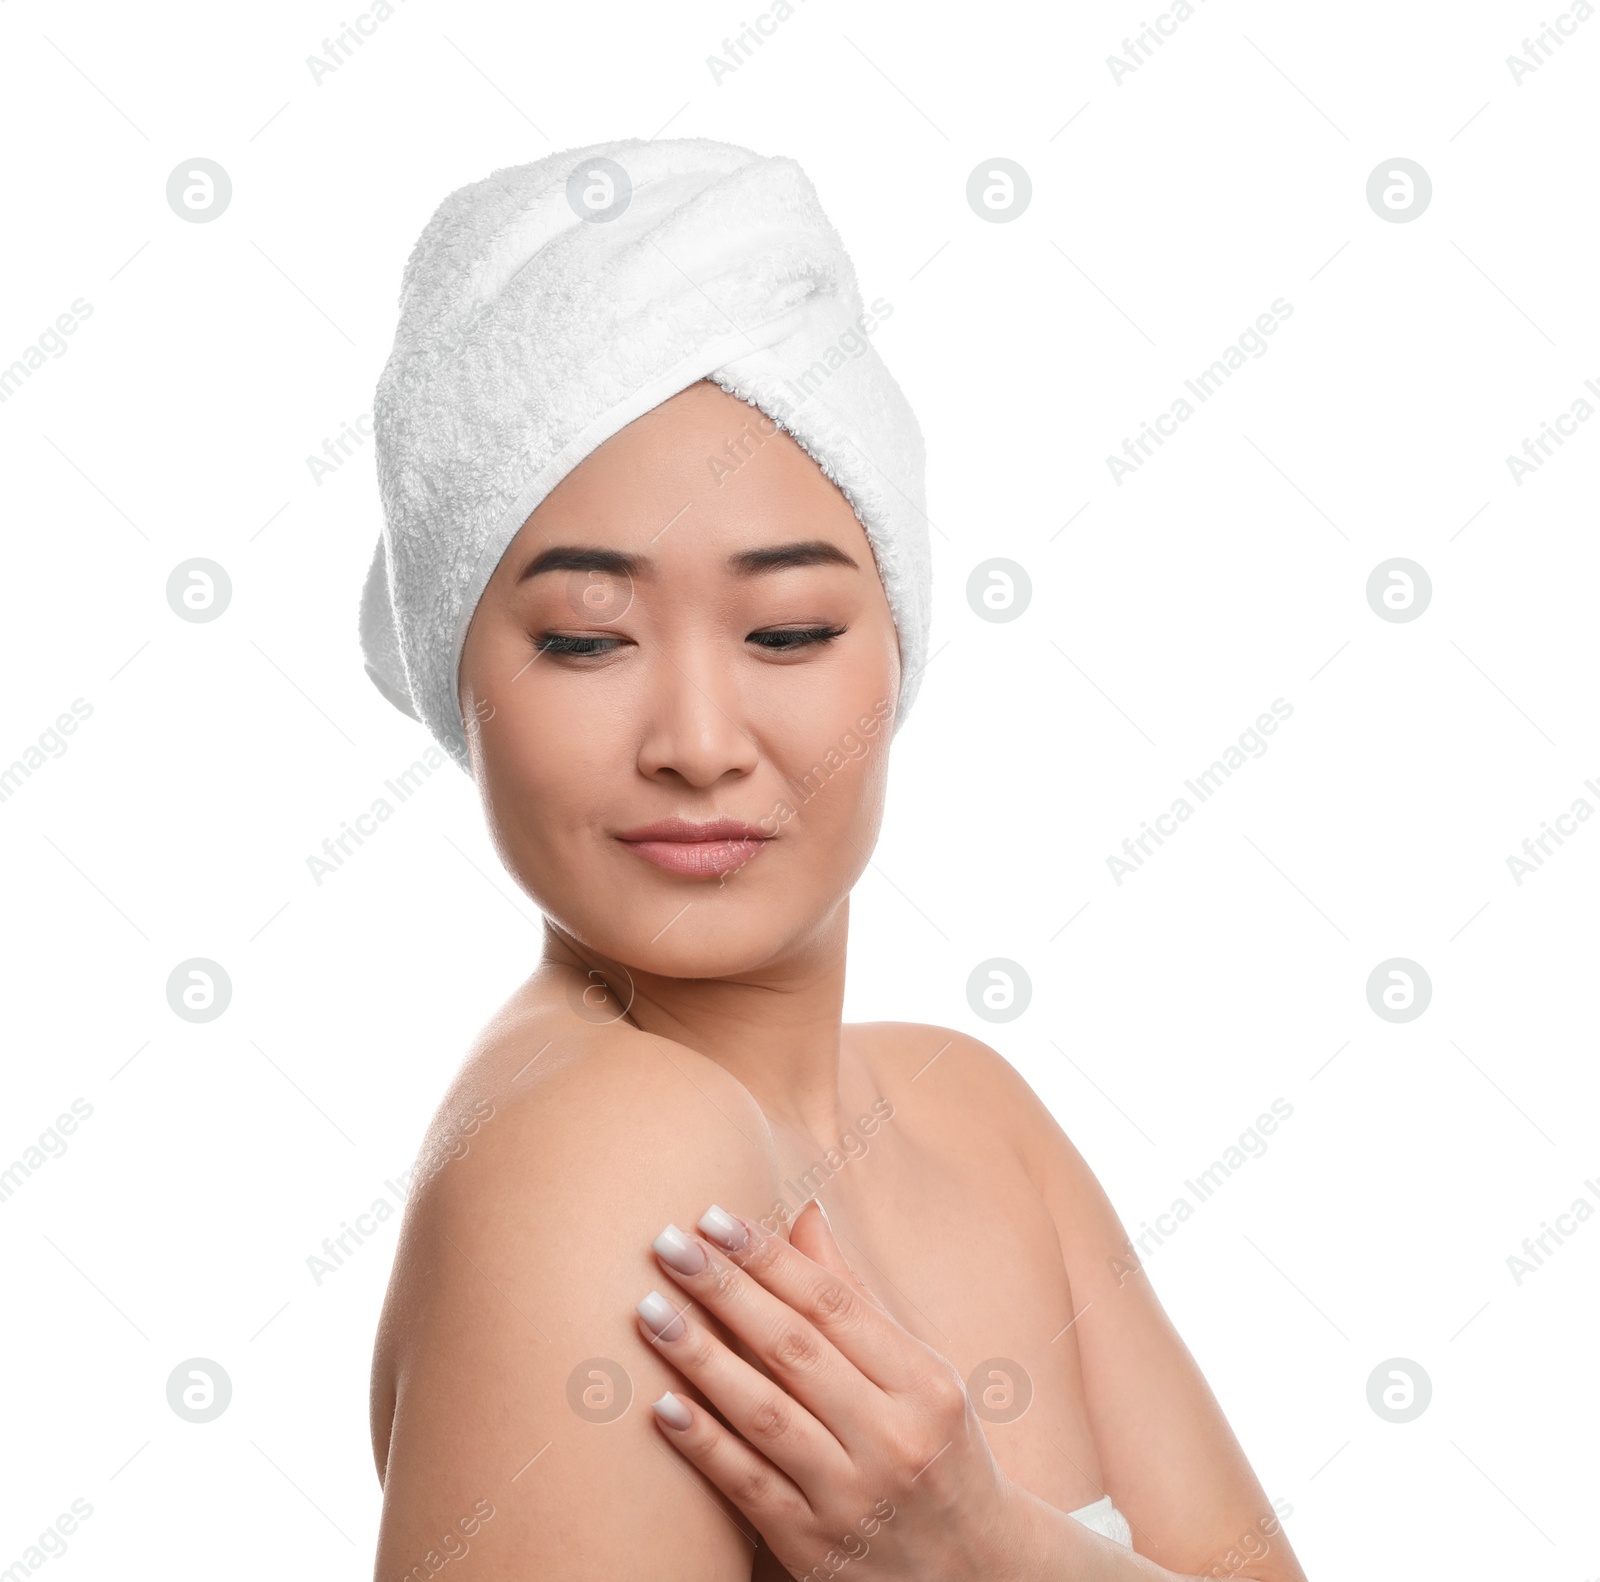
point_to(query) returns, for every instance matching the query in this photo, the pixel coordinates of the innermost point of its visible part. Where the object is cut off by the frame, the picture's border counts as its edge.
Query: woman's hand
(862, 1443)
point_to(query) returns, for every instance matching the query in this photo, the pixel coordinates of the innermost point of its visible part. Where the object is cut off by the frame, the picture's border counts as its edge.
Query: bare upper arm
(1167, 1453)
(520, 1380)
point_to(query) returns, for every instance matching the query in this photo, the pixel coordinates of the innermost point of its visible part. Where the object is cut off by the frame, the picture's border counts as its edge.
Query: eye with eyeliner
(785, 640)
(795, 637)
(572, 647)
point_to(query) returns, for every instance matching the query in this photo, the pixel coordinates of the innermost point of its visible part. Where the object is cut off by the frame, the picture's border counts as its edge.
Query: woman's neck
(775, 1028)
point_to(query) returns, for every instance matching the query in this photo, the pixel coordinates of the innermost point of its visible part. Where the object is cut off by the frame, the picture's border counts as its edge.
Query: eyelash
(801, 637)
(808, 637)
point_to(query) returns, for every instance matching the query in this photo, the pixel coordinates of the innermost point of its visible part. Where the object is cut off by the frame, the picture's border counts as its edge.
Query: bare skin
(681, 1045)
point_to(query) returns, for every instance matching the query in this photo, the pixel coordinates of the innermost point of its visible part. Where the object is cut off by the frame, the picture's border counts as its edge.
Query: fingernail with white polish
(678, 1252)
(718, 1225)
(672, 1411)
(661, 1316)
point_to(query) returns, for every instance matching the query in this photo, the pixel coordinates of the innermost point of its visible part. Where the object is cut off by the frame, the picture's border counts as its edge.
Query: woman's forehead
(703, 478)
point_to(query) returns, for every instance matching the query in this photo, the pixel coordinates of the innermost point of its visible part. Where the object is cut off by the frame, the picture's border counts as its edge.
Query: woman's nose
(693, 722)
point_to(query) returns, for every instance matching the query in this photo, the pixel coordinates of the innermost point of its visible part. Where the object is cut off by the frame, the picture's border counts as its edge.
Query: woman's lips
(680, 846)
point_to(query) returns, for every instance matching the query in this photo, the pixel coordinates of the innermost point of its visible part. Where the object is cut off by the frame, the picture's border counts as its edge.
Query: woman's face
(690, 626)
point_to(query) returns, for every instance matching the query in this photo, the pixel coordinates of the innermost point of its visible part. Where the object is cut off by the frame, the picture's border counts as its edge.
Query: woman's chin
(739, 940)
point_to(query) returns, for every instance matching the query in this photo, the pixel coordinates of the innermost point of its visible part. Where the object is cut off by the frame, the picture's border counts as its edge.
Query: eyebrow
(745, 563)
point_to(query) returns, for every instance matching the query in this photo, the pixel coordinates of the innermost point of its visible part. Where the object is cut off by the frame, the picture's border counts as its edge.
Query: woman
(674, 684)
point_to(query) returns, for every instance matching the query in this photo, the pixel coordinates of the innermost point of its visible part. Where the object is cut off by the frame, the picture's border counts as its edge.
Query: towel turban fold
(550, 304)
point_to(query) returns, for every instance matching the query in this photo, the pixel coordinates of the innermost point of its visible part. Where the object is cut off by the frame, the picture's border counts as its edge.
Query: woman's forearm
(1057, 1547)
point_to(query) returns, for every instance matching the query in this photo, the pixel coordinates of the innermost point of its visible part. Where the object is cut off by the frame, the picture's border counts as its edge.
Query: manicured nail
(678, 1252)
(718, 1225)
(672, 1411)
(662, 1317)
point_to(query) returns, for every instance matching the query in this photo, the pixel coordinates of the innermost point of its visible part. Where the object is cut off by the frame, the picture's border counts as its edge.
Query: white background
(1168, 611)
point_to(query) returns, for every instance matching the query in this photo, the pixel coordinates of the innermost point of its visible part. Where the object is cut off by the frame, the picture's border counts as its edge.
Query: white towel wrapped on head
(550, 304)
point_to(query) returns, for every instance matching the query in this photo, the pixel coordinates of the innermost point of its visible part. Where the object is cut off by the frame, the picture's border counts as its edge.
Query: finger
(765, 1495)
(811, 1232)
(862, 1331)
(780, 1341)
(775, 1425)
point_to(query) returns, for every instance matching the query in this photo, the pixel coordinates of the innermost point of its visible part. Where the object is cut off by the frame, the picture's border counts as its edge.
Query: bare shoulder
(1167, 1453)
(959, 1076)
(508, 1366)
